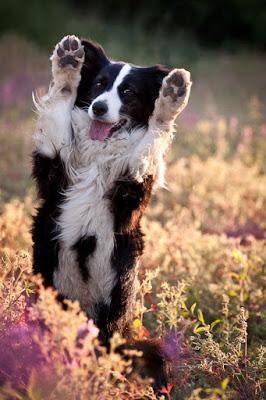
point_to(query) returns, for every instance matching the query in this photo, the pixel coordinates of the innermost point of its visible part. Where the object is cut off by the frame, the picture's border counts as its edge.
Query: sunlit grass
(202, 277)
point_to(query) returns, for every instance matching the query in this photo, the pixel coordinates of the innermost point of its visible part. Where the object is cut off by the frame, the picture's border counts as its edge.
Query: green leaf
(29, 291)
(214, 323)
(213, 390)
(200, 316)
(201, 329)
(234, 275)
(224, 384)
(232, 293)
(192, 308)
(238, 256)
(242, 274)
(196, 325)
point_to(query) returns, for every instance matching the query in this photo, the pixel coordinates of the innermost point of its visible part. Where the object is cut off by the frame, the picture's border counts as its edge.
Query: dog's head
(116, 94)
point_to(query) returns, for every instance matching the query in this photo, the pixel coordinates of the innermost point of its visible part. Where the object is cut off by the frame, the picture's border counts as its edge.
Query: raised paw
(67, 60)
(69, 52)
(176, 85)
(172, 100)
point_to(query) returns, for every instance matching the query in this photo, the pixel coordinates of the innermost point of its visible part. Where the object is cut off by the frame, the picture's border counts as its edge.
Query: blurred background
(222, 43)
(206, 234)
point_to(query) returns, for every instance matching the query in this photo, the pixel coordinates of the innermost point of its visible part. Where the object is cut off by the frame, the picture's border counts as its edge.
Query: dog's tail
(160, 359)
(151, 364)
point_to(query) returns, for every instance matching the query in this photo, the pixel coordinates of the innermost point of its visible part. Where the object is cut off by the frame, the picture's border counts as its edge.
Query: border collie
(101, 136)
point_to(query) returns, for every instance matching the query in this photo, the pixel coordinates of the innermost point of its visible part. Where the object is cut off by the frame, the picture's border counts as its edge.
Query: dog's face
(116, 95)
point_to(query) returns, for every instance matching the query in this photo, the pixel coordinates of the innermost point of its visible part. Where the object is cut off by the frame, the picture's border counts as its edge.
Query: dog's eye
(98, 84)
(128, 92)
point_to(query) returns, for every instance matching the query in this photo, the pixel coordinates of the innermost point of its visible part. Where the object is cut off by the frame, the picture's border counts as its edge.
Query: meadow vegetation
(202, 287)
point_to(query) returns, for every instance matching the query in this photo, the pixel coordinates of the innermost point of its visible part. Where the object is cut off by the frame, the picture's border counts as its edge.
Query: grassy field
(202, 278)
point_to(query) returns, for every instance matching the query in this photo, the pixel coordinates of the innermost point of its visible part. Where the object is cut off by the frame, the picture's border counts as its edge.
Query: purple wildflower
(19, 354)
(171, 346)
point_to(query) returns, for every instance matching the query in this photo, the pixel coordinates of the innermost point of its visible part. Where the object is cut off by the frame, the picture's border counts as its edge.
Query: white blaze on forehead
(120, 77)
(112, 98)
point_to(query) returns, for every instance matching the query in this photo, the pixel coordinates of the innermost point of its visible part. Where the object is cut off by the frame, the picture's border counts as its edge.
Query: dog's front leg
(52, 148)
(172, 100)
(53, 133)
(148, 158)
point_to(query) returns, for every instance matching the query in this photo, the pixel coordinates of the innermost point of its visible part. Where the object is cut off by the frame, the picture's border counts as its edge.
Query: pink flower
(88, 328)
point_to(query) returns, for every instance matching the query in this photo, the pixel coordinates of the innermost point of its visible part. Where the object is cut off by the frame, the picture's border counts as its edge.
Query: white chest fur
(86, 210)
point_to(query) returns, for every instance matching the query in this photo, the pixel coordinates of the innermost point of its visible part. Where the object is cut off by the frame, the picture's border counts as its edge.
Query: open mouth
(100, 130)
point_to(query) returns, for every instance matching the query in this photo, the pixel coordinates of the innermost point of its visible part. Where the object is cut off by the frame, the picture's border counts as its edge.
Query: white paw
(68, 53)
(172, 100)
(176, 85)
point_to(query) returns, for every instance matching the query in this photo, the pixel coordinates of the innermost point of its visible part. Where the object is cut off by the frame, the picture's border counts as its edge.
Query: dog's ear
(155, 76)
(161, 71)
(95, 60)
(95, 57)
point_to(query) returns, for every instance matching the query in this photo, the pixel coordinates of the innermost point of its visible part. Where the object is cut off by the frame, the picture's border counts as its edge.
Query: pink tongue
(99, 130)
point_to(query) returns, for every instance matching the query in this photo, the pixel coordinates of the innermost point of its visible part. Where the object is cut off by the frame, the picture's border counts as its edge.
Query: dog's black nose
(99, 108)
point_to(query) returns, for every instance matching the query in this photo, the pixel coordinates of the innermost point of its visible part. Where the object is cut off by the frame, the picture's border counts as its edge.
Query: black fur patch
(102, 310)
(50, 177)
(151, 364)
(51, 180)
(138, 90)
(105, 79)
(84, 247)
(129, 199)
(116, 316)
(95, 60)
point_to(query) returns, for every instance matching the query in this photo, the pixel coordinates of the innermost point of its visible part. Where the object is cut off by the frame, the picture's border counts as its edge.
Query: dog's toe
(176, 84)
(69, 52)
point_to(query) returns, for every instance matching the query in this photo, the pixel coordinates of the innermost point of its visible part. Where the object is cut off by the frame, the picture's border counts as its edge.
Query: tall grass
(202, 278)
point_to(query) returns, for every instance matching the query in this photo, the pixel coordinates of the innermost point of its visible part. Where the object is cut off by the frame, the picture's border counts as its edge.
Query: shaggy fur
(101, 136)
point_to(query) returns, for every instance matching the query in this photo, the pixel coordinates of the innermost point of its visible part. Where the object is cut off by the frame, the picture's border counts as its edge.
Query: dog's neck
(140, 150)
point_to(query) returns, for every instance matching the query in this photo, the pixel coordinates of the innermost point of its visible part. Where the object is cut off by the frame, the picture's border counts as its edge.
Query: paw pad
(176, 84)
(176, 79)
(69, 52)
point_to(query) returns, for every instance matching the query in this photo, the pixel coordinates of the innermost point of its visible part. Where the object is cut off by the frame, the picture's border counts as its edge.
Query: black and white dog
(101, 137)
